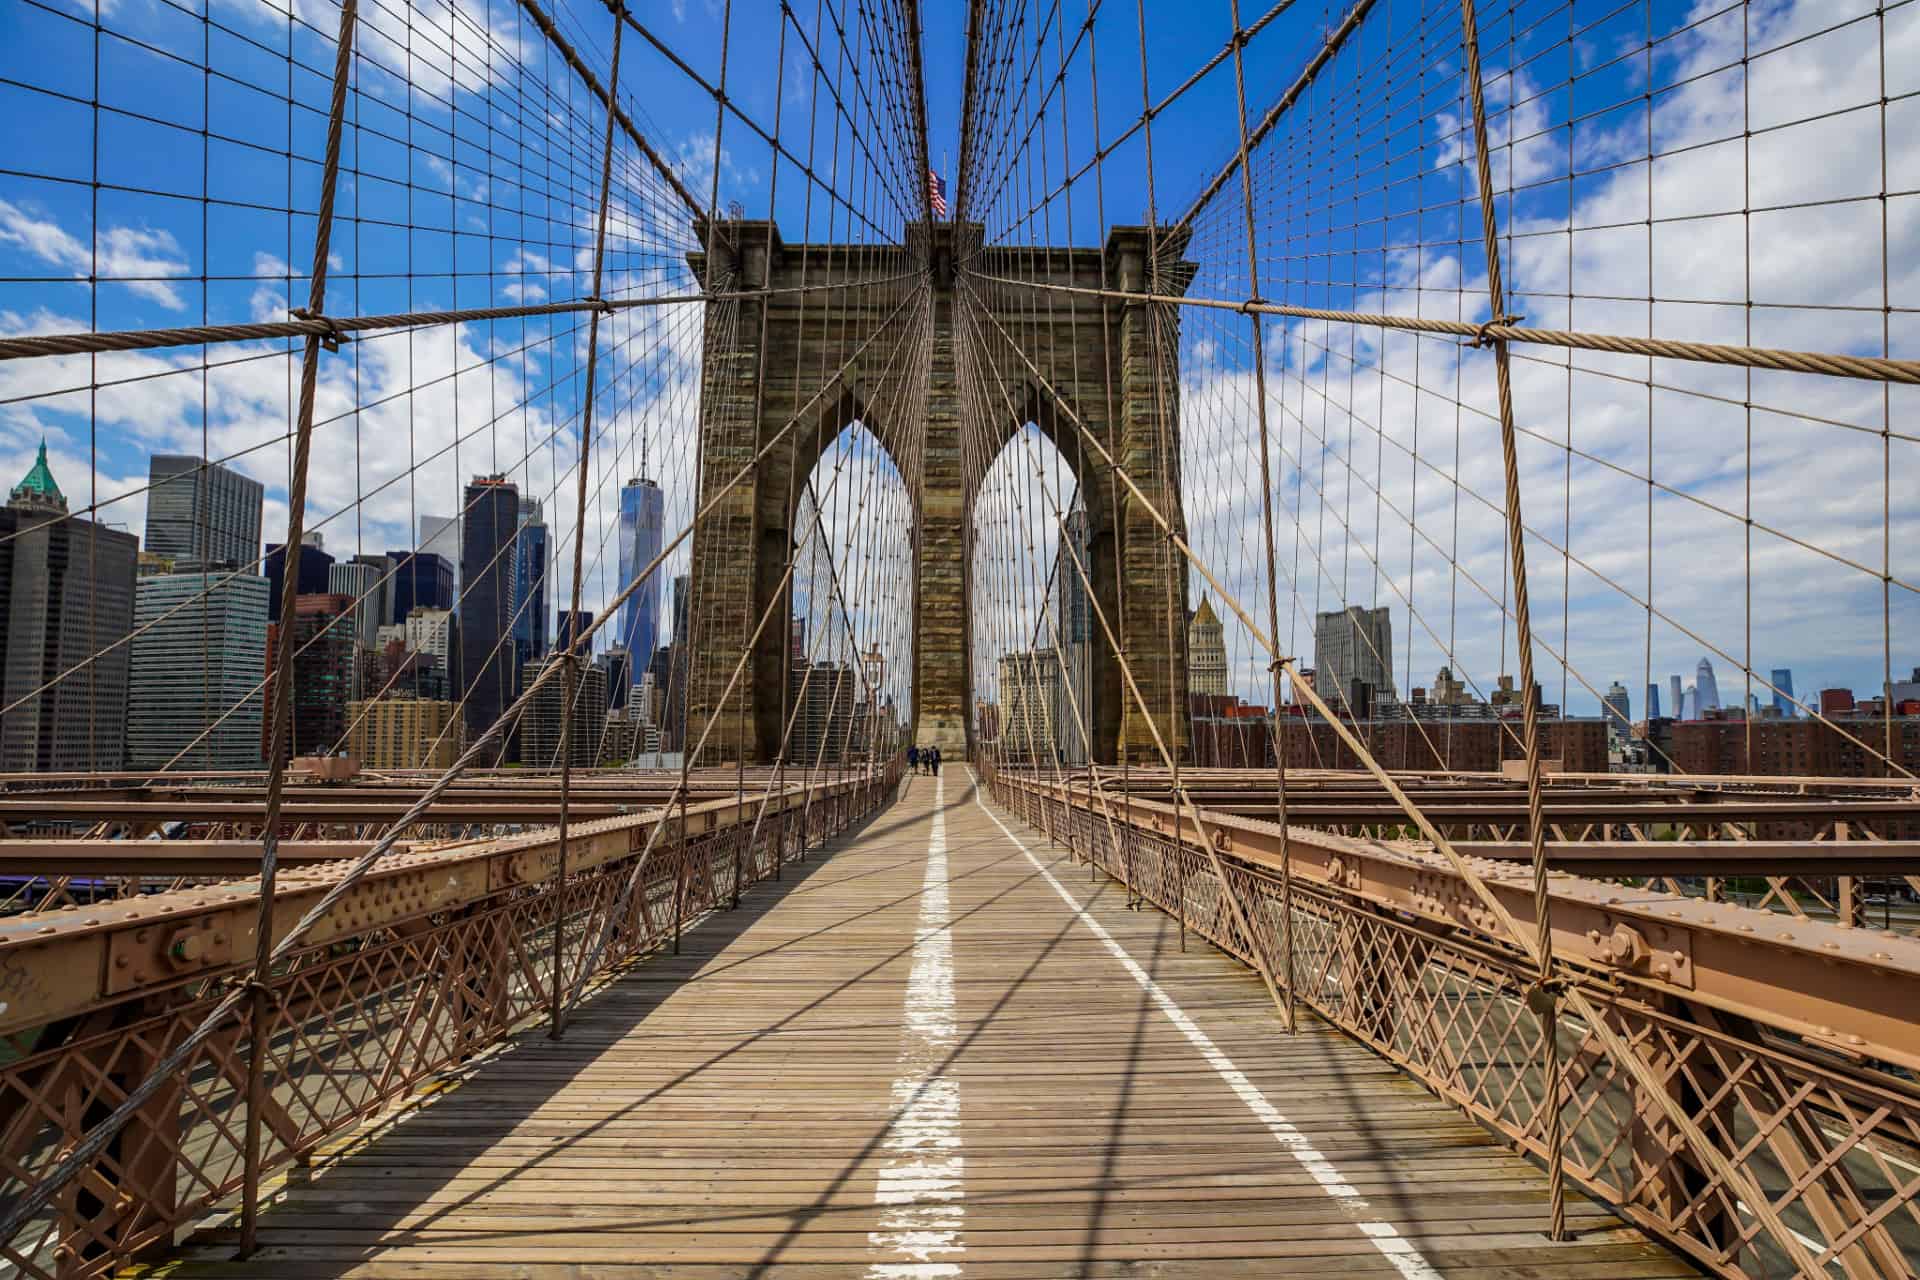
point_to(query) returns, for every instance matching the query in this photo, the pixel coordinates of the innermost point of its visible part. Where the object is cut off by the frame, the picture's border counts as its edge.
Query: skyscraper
(1353, 646)
(568, 624)
(531, 562)
(431, 631)
(1073, 614)
(673, 672)
(323, 672)
(440, 535)
(1679, 699)
(1783, 693)
(1030, 705)
(1653, 702)
(487, 667)
(1206, 652)
(67, 584)
(198, 653)
(540, 722)
(1072, 607)
(312, 567)
(385, 583)
(1619, 711)
(823, 718)
(361, 582)
(642, 507)
(1707, 687)
(201, 513)
(618, 664)
(423, 580)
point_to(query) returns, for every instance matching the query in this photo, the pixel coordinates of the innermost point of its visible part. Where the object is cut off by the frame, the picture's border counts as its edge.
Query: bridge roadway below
(937, 1050)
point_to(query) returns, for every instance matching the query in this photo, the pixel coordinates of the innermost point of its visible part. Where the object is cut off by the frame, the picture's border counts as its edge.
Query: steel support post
(1545, 1001)
(281, 698)
(571, 658)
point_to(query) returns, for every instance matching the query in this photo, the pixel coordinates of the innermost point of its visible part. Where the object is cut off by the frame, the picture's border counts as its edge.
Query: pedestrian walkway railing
(1734, 1050)
(434, 959)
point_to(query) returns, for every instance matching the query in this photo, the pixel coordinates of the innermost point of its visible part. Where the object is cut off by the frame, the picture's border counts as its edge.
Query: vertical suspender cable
(1542, 998)
(1266, 518)
(280, 699)
(570, 658)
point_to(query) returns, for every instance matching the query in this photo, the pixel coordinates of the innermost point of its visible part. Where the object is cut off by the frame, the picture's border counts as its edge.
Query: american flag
(937, 194)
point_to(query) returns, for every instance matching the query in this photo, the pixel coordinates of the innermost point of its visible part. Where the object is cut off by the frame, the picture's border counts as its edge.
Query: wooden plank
(734, 1110)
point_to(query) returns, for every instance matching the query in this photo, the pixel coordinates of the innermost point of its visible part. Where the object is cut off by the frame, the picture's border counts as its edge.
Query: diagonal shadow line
(756, 903)
(1377, 1130)
(797, 939)
(805, 1215)
(891, 866)
(717, 1059)
(952, 846)
(1110, 1156)
(849, 879)
(1017, 1195)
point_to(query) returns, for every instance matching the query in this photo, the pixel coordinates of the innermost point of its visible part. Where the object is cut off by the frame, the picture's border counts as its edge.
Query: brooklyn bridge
(737, 638)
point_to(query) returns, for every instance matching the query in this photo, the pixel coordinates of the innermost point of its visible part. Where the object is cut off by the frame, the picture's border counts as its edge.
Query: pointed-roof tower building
(38, 492)
(1206, 651)
(66, 599)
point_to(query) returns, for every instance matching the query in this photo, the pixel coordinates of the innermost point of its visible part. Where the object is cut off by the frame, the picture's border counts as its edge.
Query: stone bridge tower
(1065, 362)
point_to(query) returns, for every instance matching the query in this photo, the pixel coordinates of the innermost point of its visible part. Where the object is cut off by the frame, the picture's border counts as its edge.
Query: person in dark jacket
(913, 759)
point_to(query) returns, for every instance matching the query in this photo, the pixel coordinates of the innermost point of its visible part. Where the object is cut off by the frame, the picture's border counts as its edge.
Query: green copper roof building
(38, 489)
(66, 598)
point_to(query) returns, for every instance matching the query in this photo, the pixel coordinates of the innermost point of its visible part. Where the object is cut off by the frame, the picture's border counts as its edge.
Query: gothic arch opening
(1034, 575)
(778, 388)
(849, 638)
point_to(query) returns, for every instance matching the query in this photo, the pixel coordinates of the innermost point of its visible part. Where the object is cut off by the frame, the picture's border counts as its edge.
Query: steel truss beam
(61, 965)
(1801, 977)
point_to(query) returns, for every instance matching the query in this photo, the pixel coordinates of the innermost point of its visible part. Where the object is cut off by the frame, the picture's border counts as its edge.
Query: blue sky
(475, 186)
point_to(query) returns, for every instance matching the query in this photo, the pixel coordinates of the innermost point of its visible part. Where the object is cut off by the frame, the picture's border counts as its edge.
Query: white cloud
(133, 254)
(524, 264)
(268, 301)
(694, 158)
(1362, 521)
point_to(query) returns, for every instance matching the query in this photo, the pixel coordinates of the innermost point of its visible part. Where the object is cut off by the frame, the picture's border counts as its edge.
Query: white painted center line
(921, 1187)
(1384, 1236)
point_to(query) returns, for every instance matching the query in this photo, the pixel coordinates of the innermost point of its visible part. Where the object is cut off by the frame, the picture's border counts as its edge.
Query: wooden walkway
(916, 1059)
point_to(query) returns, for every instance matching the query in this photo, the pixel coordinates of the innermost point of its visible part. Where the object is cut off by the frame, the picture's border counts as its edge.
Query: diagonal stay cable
(95, 1139)
(776, 596)
(1531, 945)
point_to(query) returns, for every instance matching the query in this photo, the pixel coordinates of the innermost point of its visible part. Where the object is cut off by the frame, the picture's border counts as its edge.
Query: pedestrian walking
(913, 759)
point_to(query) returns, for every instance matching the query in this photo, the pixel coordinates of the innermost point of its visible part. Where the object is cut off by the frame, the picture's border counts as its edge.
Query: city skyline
(210, 509)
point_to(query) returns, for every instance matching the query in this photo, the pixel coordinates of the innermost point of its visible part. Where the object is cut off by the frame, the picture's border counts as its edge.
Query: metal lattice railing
(1834, 1151)
(356, 1025)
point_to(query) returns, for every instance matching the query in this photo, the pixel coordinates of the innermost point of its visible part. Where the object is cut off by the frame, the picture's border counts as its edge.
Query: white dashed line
(1383, 1235)
(921, 1187)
